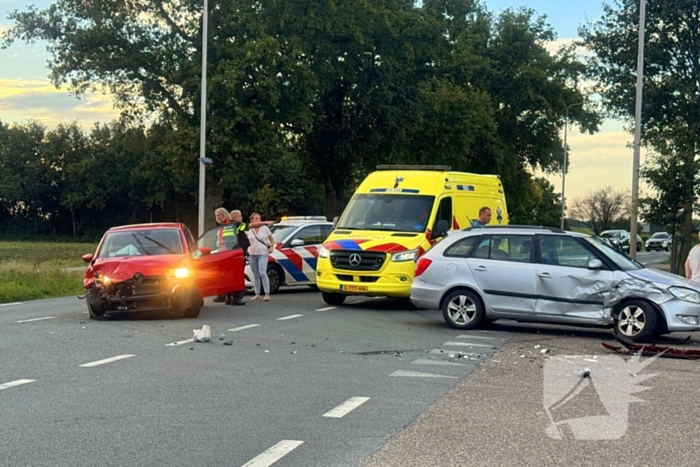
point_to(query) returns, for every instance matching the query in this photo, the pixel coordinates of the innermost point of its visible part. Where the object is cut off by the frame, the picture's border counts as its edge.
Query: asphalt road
(305, 384)
(80, 392)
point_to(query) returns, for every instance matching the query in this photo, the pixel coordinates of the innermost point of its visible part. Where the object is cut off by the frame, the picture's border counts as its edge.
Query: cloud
(38, 99)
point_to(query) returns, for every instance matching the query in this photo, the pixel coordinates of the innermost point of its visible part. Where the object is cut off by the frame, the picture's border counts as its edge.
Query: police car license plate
(354, 288)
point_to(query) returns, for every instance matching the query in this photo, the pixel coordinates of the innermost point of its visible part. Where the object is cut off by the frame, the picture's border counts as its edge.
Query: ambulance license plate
(354, 288)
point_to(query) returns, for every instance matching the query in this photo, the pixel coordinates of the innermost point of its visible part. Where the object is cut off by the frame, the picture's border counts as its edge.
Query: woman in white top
(692, 264)
(261, 244)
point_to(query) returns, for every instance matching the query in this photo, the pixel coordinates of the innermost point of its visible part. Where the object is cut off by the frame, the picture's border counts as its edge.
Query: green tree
(671, 102)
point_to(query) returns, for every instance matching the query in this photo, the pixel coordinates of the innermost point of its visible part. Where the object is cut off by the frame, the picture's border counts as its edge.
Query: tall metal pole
(637, 132)
(566, 157)
(203, 119)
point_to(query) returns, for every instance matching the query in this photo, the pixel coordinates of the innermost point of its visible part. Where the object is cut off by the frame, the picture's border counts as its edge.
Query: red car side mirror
(204, 250)
(87, 258)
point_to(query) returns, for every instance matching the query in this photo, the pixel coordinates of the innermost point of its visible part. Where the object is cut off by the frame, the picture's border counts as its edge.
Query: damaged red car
(159, 268)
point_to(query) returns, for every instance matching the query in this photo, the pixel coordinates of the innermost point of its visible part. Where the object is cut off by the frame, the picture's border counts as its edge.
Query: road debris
(202, 335)
(585, 373)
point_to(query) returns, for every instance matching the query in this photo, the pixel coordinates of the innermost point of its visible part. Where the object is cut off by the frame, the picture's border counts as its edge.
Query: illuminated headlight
(323, 252)
(405, 256)
(103, 280)
(181, 273)
(647, 244)
(664, 244)
(687, 295)
(688, 319)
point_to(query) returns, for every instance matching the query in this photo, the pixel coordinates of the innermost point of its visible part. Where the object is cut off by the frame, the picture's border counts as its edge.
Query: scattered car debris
(585, 373)
(293, 352)
(544, 351)
(202, 335)
(650, 350)
(228, 343)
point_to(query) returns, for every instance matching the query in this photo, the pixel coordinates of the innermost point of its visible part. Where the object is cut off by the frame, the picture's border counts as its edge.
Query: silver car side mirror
(595, 264)
(297, 242)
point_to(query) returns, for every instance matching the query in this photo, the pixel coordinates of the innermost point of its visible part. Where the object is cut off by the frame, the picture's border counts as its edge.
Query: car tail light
(421, 266)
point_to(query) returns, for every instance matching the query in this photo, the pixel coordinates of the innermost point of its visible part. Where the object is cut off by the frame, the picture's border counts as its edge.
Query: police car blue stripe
(312, 262)
(348, 244)
(294, 271)
(377, 190)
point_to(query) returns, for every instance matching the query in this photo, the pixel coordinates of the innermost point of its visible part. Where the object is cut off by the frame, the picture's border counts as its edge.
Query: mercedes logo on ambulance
(354, 259)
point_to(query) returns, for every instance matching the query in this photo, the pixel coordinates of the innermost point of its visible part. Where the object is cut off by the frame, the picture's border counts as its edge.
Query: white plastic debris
(544, 351)
(202, 335)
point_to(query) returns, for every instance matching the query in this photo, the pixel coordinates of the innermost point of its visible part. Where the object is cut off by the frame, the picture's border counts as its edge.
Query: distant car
(550, 276)
(621, 239)
(659, 241)
(293, 260)
(145, 268)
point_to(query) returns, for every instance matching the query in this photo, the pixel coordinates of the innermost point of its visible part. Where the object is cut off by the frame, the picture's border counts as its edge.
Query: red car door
(219, 263)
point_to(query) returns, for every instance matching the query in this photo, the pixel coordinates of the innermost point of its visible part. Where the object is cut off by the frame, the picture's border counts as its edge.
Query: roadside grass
(34, 270)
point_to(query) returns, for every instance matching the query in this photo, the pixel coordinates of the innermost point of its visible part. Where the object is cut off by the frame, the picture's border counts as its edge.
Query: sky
(595, 161)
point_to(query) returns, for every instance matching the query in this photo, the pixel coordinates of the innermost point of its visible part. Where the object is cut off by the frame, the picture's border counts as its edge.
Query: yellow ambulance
(394, 217)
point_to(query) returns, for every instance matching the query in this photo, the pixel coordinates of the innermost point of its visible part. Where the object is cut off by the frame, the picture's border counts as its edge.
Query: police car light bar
(304, 218)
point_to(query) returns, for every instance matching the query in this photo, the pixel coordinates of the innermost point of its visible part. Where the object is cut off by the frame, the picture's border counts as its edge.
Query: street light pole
(566, 151)
(203, 119)
(637, 132)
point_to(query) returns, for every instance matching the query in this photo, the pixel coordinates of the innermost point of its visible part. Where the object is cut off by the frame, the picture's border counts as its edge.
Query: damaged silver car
(548, 275)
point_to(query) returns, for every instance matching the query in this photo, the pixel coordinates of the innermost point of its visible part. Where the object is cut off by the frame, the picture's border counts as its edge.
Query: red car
(146, 268)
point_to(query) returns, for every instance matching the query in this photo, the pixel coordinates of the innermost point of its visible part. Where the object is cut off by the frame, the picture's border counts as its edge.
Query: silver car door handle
(545, 275)
(480, 268)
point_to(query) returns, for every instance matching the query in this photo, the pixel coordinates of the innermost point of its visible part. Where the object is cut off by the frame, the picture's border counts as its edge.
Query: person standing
(692, 264)
(261, 245)
(241, 229)
(484, 217)
(223, 218)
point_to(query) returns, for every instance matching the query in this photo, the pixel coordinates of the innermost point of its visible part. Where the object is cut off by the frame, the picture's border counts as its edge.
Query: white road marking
(186, 341)
(19, 382)
(106, 360)
(275, 453)
(425, 361)
(248, 326)
(10, 304)
(467, 336)
(346, 407)
(466, 344)
(289, 317)
(327, 308)
(418, 374)
(35, 319)
(447, 352)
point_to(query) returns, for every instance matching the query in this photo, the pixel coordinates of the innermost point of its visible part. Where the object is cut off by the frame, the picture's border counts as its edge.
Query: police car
(293, 260)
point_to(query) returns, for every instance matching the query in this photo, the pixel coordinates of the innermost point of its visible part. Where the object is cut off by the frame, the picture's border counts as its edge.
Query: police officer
(241, 229)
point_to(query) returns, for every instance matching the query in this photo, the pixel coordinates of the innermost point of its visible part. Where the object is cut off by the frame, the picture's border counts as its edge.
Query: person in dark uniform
(243, 241)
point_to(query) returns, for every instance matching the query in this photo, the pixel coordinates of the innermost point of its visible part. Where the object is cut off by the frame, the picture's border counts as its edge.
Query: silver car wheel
(462, 309)
(632, 320)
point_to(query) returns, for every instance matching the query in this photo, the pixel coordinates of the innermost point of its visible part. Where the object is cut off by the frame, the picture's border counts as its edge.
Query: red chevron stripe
(388, 248)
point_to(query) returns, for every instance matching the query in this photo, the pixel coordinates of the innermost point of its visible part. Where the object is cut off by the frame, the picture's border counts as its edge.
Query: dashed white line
(346, 407)
(447, 352)
(289, 317)
(467, 336)
(35, 319)
(186, 341)
(466, 344)
(241, 328)
(275, 453)
(11, 304)
(106, 360)
(19, 382)
(418, 374)
(425, 361)
(327, 308)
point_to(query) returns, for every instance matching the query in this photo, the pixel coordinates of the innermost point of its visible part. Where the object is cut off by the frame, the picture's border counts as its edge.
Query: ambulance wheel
(274, 273)
(333, 298)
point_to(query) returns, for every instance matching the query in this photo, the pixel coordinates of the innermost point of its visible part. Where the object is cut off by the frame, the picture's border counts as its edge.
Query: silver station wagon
(547, 275)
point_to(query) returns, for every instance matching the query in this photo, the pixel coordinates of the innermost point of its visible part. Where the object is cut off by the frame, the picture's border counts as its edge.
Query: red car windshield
(146, 242)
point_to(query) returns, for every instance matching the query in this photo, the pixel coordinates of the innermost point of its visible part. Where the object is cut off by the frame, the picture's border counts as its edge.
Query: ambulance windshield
(396, 213)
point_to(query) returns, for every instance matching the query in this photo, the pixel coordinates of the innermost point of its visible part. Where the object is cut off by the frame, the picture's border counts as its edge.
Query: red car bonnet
(121, 269)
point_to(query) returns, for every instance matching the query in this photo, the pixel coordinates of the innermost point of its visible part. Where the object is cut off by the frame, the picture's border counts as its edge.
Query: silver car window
(505, 248)
(460, 248)
(564, 251)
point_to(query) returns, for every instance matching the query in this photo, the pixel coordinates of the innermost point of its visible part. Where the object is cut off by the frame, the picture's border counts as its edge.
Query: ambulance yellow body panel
(392, 219)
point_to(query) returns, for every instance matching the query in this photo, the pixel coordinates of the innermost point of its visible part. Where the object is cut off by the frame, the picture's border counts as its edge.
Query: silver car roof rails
(515, 226)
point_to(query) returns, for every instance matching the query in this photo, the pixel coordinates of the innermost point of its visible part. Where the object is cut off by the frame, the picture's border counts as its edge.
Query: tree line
(305, 98)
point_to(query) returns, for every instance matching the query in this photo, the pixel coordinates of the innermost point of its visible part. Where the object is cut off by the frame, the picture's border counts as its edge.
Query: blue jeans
(258, 263)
